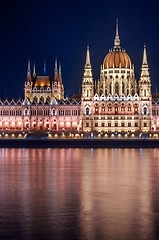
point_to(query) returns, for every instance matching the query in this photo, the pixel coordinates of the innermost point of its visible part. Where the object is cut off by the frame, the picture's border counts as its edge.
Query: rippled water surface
(82, 194)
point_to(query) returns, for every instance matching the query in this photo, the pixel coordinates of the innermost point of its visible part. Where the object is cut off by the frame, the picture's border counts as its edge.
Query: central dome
(117, 58)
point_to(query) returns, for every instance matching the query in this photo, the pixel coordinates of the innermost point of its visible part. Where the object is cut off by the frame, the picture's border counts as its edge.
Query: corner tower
(57, 86)
(145, 94)
(87, 95)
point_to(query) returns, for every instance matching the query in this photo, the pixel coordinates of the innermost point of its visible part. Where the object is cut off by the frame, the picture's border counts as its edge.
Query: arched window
(145, 110)
(96, 109)
(129, 108)
(87, 110)
(53, 112)
(116, 108)
(103, 108)
(135, 109)
(117, 88)
(109, 107)
(123, 87)
(110, 88)
(25, 112)
(144, 92)
(35, 99)
(42, 99)
(122, 107)
(48, 99)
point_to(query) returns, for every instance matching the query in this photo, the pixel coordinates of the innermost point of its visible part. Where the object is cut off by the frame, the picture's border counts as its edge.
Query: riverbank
(79, 143)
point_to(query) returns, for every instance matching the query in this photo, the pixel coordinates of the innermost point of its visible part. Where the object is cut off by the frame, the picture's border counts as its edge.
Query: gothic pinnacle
(88, 63)
(144, 62)
(117, 39)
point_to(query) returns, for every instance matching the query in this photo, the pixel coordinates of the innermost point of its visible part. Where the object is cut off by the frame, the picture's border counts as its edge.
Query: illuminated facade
(116, 103)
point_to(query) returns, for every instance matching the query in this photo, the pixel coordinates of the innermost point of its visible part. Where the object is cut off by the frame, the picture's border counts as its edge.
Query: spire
(60, 69)
(144, 62)
(117, 39)
(29, 71)
(145, 75)
(56, 64)
(29, 65)
(44, 67)
(60, 73)
(55, 70)
(88, 63)
(34, 71)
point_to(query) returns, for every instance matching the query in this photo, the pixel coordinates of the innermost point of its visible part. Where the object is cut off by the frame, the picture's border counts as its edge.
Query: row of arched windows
(103, 108)
(11, 112)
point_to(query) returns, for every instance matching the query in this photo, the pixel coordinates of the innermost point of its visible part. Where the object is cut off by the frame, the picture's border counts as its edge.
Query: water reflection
(79, 193)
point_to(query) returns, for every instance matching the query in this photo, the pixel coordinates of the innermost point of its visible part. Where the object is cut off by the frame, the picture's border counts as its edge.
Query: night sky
(44, 30)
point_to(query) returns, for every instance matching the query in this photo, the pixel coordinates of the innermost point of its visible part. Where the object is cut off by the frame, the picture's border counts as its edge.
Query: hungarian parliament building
(117, 103)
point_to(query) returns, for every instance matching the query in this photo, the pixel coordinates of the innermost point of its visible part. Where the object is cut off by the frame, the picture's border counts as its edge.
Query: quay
(79, 143)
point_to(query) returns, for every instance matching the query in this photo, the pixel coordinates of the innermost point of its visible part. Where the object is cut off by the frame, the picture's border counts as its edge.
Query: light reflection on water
(79, 194)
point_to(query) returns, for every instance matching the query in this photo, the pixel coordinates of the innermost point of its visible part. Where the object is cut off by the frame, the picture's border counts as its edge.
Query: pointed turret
(87, 84)
(117, 39)
(58, 88)
(87, 95)
(145, 95)
(145, 68)
(145, 82)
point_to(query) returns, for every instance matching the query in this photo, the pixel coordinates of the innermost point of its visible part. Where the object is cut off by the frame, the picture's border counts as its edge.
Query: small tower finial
(88, 63)
(117, 39)
(144, 62)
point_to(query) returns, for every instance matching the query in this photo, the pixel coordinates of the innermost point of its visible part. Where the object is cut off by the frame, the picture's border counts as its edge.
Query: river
(85, 194)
